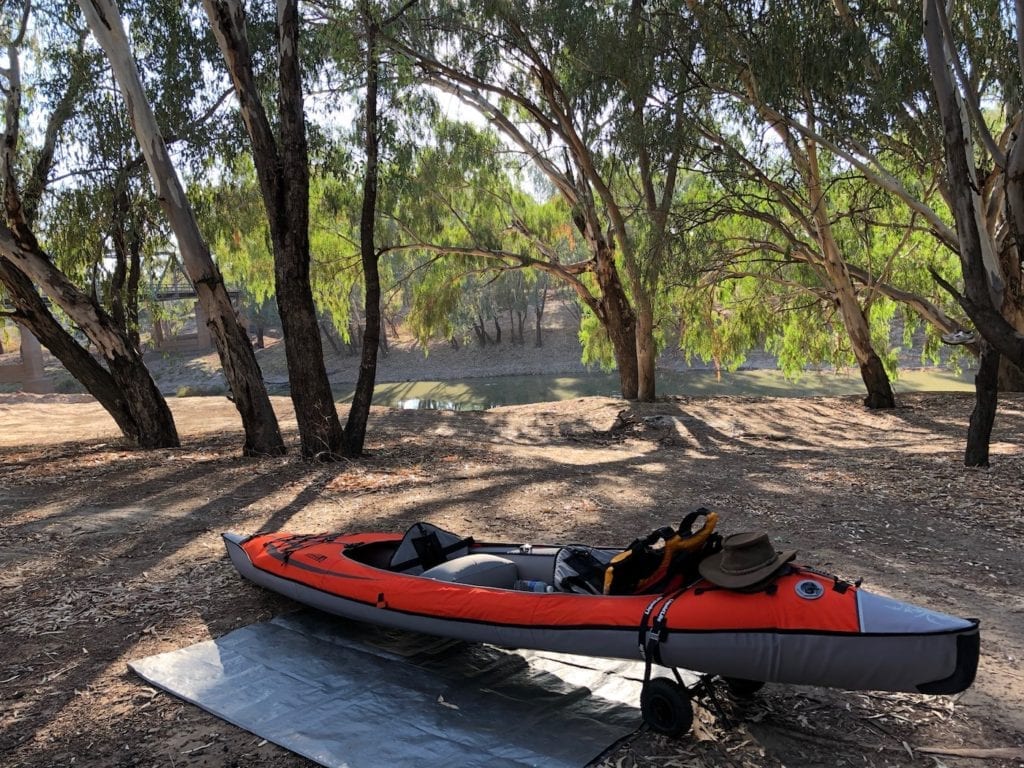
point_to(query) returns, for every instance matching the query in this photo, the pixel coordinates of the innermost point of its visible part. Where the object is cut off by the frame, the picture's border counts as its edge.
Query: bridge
(30, 373)
(184, 293)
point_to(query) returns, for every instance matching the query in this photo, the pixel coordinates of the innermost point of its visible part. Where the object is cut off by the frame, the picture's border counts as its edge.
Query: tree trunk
(983, 282)
(872, 372)
(131, 299)
(151, 419)
(319, 426)
(616, 315)
(1011, 376)
(359, 412)
(238, 361)
(156, 424)
(539, 306)
(497, 330)
(283, 173)
(124, 284)
(482, 337)
(986, 397)
(876, 381)
(31, 311)
(646, 352)
(326, 329)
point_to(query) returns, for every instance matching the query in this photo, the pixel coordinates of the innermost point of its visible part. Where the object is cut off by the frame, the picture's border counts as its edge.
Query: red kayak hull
(842, 636)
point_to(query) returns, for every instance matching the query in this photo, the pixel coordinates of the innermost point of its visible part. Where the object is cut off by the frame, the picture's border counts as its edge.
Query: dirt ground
(109, 554)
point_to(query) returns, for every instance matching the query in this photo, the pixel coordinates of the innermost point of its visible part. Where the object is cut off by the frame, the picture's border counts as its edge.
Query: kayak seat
(424, 546)
(478, 570)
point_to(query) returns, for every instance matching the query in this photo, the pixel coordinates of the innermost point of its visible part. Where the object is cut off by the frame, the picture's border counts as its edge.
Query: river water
(483, 393)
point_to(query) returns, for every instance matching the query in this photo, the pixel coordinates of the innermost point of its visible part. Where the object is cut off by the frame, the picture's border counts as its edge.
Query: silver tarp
(352, 695)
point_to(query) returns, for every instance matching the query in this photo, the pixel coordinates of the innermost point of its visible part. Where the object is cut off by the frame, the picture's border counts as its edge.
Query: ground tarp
(344, 694)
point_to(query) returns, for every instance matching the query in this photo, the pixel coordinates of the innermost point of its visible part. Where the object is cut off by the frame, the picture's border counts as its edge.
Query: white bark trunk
(105, 22)
(989, 252)
(237, 358)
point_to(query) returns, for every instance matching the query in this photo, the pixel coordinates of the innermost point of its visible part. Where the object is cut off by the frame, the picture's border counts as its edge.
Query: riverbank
(473, 376)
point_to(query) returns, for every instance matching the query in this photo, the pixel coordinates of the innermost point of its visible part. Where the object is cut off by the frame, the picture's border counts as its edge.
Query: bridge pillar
(33, 377)
(203, 338)
(158, 333)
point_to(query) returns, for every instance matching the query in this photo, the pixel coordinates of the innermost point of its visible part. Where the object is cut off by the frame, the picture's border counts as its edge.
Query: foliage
(675, 160)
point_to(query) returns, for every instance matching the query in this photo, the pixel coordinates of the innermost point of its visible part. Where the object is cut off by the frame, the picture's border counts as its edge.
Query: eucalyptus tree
(988, 208)
(124, 388)
(979, 104)
(765, 62)
(595, 97)
(873, 106)
(755, 250)
(878, 114)
(238, 361)
(281, 159)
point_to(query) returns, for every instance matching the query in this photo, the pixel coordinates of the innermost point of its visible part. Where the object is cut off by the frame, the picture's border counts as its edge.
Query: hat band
(749, 569)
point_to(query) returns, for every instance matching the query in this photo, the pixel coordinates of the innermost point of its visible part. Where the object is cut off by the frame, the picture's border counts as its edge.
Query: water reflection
(425, 404)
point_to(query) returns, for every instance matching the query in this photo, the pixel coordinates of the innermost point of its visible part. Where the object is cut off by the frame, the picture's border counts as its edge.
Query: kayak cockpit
(498, 566)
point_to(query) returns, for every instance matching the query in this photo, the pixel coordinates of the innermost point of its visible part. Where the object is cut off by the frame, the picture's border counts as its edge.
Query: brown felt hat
(745, 559)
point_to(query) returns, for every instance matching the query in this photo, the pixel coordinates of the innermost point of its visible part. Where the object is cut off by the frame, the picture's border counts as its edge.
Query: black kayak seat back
(424, 546)
(580, 569)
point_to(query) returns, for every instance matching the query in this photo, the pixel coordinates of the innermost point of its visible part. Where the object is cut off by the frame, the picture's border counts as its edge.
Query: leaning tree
(124, 386)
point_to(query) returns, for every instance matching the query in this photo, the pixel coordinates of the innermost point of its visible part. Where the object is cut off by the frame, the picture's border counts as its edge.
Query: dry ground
(108, 554)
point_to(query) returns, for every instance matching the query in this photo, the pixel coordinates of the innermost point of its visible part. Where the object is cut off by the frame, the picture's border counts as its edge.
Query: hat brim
(711, 569)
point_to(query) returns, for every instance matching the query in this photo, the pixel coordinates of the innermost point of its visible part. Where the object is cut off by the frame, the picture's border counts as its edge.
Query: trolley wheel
(666, 707)
(742, 688)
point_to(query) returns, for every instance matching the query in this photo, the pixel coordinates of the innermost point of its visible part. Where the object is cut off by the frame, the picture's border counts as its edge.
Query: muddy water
(482, 393)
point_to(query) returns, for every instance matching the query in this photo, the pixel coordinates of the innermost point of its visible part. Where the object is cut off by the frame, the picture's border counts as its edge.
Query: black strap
(659, 631)
(651, 637)
(644, 617)
(686, 526)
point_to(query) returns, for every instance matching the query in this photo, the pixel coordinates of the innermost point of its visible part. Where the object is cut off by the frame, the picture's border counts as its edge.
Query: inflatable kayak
(802, 627)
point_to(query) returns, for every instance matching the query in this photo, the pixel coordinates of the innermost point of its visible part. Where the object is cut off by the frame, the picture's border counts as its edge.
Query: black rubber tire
(666, 707)
(742, 688)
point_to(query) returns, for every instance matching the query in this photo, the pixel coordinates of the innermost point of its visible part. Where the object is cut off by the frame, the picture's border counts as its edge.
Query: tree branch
(878, 174)
(970, 96)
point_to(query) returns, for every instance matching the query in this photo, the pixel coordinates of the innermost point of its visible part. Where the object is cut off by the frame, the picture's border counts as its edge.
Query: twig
(993, 753)
(197, 749)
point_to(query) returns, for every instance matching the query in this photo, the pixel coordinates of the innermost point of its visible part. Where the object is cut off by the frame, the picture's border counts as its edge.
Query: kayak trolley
(666, 704)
